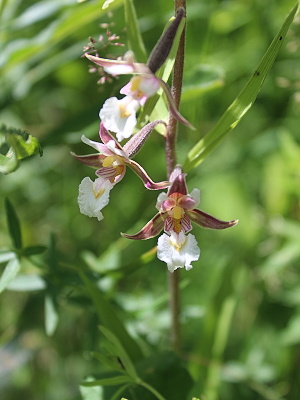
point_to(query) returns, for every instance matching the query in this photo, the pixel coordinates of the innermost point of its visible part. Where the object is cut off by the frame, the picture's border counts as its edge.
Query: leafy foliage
(63, 274)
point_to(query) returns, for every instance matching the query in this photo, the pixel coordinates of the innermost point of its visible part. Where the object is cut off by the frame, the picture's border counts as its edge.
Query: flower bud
(163, 47)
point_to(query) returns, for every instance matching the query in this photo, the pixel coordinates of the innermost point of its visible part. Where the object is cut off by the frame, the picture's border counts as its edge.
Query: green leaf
(107, 3)
(33, 250)
(241, 104)
(27, 283)
(6, 255)
(135, 41)
(116, 380)
(91, 393)
(9, 273)
(201, 79)
(110, 319)
(128, 365)
(17, 145)
(109, 361)
(51, 316)
(13, 225)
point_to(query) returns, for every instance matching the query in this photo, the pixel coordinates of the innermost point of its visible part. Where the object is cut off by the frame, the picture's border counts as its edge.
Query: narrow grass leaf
(110, 319)
(128, 365)
(242, 103)
(116, 380)
(13, 225)
(108, 361)
(134, 37)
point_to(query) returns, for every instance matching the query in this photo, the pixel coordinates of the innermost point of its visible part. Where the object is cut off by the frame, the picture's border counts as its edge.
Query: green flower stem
(174, 278)
(176, 92)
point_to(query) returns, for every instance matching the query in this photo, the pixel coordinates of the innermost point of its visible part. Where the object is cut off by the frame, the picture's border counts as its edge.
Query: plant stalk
(174, 278)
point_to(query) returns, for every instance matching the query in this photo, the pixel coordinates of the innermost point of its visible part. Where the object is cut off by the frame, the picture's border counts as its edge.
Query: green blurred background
(246, 283)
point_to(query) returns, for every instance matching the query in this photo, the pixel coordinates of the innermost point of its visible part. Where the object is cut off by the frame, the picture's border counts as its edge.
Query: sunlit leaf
(27, 283)
(51, 315)
(9, 273)
(6, 255)
(91, 393)
(17, 145)
(107, 3)
(241, 104)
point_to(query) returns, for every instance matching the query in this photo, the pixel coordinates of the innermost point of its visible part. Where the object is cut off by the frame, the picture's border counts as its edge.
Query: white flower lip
(119, 116)
(93, 196)
(177, 250)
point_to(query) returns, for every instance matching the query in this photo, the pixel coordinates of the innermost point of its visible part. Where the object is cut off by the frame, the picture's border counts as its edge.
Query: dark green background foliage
(240, 302)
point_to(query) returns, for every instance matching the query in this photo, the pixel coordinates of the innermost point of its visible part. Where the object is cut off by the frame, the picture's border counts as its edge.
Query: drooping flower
(93, 196)
(177, 209)
(111, 162)
(142, 85)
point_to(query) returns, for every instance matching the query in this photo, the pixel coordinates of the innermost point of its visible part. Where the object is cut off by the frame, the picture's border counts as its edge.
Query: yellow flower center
(178, 245)
(124, 113)
(177, 214)
(108, 161)
(135, 87)
(98, 193)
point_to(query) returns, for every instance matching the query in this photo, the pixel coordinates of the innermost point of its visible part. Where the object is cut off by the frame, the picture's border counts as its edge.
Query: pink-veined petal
(169, 224)
(186, 225)
(113, 67)
(149, 184)
(96, 145)
(190, 201)
(208, 221)
(106, 136)
(172, 105)
(178, 185)
(151, 229)
(92, 160)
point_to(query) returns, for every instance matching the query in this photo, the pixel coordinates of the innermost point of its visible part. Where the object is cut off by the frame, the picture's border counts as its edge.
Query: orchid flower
(111, 161)
(177, 209)
(119, 115)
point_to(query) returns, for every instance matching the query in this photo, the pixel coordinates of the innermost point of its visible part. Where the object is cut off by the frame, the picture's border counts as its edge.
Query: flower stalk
(174, 278)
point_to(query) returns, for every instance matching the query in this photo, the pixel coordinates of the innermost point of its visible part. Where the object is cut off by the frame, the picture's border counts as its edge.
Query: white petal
(195, 194)
(119, 116)
(149, 85)
(93, 196)
(178, 250)
(160, 199)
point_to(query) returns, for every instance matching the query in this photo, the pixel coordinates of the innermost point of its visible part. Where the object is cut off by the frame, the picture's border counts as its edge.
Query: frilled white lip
(119, 116)
(178, 250)
(93, 196)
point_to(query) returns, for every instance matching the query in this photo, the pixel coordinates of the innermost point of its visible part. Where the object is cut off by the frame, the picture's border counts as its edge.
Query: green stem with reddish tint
(174, 278)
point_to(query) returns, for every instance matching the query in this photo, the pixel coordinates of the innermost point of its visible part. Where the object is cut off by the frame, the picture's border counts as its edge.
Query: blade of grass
(110, 319)
(135, 40)
(242, 103)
